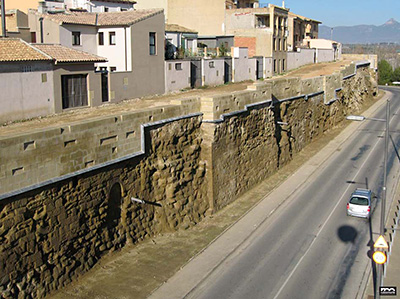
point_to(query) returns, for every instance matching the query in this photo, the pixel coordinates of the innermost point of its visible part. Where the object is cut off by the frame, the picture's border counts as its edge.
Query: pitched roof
(13, 49)
(17, 50)
(63, 54)
(121, 18)
(178, 28)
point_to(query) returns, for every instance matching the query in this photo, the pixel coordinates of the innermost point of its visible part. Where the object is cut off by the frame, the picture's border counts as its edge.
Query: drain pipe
(41, 30)
(3, 18)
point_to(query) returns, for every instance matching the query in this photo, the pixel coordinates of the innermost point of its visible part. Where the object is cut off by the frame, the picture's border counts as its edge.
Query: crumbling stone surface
(249, 147)
(52, 235)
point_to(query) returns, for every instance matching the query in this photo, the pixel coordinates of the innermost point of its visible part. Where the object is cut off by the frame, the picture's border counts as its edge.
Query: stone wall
(171, 175)
(54, 233)
(248, 147)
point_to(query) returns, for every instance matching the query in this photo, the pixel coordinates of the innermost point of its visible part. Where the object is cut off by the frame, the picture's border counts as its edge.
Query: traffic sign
(381, 243)
(379, 257)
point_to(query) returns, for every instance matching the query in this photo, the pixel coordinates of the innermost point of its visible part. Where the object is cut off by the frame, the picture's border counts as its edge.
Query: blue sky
(344, 12)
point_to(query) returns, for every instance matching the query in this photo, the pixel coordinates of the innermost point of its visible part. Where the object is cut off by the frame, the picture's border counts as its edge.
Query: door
(104, 86)
(195, 73)
(74, 91)
(228, 70)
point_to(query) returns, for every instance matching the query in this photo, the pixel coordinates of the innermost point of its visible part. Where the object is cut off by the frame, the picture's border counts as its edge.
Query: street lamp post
(379, 276)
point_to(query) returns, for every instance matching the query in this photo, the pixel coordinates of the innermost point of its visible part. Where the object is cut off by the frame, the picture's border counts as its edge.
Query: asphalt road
(306, 247)
(310, 248)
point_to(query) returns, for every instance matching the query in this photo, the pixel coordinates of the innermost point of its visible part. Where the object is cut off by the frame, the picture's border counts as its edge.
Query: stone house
(42, 79)
(132, 41)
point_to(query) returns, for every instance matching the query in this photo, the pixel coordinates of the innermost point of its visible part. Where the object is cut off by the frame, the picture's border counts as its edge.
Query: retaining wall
(171, 167)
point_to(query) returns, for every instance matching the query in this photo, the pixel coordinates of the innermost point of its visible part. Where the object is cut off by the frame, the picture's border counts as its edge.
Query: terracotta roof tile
(122, 18)
(64, 54)
(17, 50)
(178, 28)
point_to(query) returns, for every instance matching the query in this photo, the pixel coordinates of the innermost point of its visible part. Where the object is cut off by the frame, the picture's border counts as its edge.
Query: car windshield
(362, 201)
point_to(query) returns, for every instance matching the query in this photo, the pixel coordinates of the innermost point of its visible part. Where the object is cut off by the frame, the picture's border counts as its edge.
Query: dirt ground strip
(67, 117)
(137, 270)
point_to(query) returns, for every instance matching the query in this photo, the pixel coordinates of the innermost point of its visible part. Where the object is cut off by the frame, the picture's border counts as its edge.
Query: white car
(361, 203)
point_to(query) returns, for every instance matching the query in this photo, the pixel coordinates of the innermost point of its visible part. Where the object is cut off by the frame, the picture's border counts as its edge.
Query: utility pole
(3, 18)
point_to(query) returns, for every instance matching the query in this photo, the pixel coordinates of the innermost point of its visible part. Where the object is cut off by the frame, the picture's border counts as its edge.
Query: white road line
(326, 221)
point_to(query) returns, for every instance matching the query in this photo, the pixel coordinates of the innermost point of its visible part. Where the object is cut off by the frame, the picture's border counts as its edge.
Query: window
(113, 68)
(274, 44)
(101, 38)
(105, 9)
(283, 65)
(74, 91)
(178, 66)
(33, 37)
(152, 43)
(274, 65)
(112, 38)
(211, 64)
(76, 38)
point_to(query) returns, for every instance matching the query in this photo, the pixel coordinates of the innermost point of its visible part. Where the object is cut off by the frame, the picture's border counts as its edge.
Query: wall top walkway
(85, 114)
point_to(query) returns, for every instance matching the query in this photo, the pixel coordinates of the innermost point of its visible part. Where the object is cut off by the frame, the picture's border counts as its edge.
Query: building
(179, 38)
(22, 5)
(207, 17)
(17, 24)
(263, 30)
(100, 5)
(60, 5)
(38, 80)
(132, 41)
(301, 29)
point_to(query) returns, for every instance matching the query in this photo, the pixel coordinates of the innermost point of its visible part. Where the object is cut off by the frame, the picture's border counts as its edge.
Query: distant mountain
(363, 34)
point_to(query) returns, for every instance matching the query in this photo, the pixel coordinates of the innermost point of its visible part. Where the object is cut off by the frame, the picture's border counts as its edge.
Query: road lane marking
(326, 221)
(330, 215)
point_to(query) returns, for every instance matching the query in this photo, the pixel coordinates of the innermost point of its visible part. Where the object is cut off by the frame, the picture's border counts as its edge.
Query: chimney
(283, 3)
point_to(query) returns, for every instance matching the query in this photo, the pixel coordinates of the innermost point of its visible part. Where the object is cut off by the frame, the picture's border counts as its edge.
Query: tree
(385, 72)
(396, 75)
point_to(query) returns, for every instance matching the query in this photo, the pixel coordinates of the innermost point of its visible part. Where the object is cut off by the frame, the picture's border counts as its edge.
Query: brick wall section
(246, 42)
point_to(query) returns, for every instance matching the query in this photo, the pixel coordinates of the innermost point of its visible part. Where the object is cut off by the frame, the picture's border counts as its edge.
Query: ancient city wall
(154, 171)
(54, 233)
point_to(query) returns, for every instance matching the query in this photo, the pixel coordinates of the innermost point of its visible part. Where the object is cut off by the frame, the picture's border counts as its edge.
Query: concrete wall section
(240, 64)
(177, 75)
(298, 59)
(213, 71)
(27, 90)
(324, 55)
